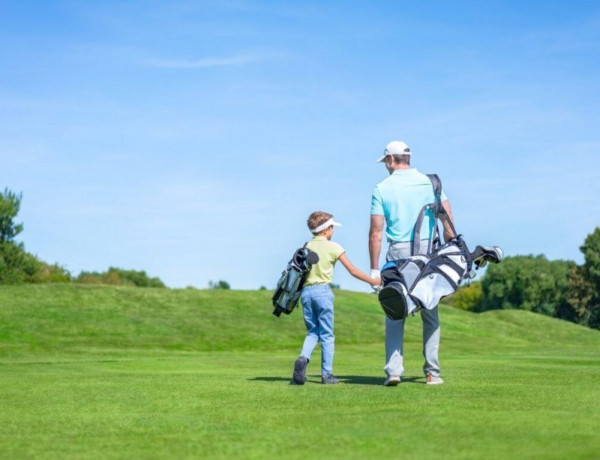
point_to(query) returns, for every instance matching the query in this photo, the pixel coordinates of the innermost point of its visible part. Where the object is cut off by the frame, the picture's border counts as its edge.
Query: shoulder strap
(438, 213)
(436, 183)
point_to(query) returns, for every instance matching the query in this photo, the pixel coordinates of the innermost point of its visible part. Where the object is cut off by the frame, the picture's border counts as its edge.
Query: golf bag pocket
(288, 291)
(441, 276)
(395, 301)
(422, 281)
(398, 277)
(289, 287)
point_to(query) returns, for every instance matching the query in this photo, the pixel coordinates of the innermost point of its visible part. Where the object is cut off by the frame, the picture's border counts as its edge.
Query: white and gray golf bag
(289, 287)
(421, 281)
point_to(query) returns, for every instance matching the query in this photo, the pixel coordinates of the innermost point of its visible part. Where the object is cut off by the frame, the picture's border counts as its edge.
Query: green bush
(47, 273)
(531, 283)
(467, 297)
(16, 265)
(219, 285)
(120, 277)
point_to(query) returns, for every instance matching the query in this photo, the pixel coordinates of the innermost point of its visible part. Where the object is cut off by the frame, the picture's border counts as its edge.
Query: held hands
(376, 276)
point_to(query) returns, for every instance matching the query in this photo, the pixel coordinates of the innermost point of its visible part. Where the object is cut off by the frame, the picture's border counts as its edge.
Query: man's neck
(398, 167)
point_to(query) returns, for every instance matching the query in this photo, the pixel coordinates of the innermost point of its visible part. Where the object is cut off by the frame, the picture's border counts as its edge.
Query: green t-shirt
(329, 252)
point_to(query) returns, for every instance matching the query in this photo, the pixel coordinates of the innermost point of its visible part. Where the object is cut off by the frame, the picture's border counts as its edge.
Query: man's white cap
(395, 148)
(325, 225)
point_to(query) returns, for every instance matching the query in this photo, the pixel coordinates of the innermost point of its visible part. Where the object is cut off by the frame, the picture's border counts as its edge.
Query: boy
(317, 297)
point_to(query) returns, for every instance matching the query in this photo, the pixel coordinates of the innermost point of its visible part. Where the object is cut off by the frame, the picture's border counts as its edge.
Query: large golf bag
(422, 280)
(289, 287)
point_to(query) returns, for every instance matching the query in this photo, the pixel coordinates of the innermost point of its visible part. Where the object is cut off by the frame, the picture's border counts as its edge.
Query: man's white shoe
(434, 380)
(392, 381)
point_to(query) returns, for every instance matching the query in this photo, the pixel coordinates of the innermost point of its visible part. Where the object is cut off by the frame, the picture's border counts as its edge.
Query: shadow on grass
(369, 380)
(271, 379)
(346, 379)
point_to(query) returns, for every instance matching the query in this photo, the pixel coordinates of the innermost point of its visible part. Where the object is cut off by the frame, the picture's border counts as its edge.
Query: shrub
(527, 282)
(219, 285)
(119, 277)
(467, 297)
(47, 273)
(16, 265)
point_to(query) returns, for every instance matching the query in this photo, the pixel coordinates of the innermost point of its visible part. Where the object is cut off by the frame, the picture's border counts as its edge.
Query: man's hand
(376, 275)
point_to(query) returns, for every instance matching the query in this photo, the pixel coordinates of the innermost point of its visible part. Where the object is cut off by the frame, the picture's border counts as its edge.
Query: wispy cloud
(210, 62)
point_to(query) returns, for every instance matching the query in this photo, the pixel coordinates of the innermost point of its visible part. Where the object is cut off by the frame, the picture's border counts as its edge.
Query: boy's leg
(325, 307)
(311, 321)
(431, 341)
(394, 343)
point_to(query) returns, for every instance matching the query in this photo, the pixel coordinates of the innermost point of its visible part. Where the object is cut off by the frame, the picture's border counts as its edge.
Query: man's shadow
(370, 380)
(348, 379)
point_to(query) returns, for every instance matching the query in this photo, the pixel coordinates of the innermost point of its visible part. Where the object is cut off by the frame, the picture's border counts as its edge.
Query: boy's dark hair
(317, 218)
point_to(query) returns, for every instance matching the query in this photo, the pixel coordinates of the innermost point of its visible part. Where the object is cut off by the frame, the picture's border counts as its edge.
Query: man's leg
(394, 342)
(394, 329)
(431, 341)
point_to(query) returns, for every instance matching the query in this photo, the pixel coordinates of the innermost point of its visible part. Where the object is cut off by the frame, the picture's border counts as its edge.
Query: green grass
(104, 372)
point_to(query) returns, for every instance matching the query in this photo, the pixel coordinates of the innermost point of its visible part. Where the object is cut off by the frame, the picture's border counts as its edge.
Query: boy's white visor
(326, 225)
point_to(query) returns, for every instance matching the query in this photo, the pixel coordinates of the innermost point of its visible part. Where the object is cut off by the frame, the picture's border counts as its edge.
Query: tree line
(558, 288)
(19, 266)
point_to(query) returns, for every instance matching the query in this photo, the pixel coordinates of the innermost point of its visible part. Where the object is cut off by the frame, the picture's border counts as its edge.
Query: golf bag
(289, 286)
(422, 280)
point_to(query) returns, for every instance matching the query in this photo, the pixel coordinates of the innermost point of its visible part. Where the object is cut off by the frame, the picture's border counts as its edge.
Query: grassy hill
(65, 317)
(119, 372)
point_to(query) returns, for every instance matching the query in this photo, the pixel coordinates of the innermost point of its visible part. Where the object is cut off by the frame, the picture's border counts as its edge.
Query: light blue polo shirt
(399, 198)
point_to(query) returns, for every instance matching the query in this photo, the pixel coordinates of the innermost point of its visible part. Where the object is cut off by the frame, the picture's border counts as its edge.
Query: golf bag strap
(416, 242)
(439, 212)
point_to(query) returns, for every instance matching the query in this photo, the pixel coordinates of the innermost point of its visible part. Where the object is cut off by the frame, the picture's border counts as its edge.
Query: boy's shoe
(329, 379)
(434, 380)
(299, 375)
(392, 381)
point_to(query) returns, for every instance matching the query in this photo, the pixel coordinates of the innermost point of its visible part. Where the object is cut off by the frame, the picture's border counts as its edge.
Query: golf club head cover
(484, 254)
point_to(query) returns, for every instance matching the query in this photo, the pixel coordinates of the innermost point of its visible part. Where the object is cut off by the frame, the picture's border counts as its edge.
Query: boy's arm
(358, 273)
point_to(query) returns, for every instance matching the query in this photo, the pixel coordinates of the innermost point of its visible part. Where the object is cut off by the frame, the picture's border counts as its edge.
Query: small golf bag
(289, 286)
(421, 281)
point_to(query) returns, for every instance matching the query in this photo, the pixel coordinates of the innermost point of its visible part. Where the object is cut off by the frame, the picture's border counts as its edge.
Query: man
(397, 200)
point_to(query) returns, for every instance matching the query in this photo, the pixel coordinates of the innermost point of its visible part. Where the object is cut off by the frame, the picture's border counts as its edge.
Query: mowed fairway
(104, 372)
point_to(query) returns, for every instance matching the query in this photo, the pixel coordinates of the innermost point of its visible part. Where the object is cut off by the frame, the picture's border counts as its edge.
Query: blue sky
(191, 139)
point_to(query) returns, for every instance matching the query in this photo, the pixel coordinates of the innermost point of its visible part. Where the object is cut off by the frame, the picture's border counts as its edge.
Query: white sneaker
(392, 381)
(433, 380)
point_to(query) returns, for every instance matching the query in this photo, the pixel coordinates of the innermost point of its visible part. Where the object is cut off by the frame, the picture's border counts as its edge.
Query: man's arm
(375, 233)
(448, 233)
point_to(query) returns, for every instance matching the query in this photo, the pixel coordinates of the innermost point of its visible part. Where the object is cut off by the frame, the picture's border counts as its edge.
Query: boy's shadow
(270, 379)
(350, 379)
